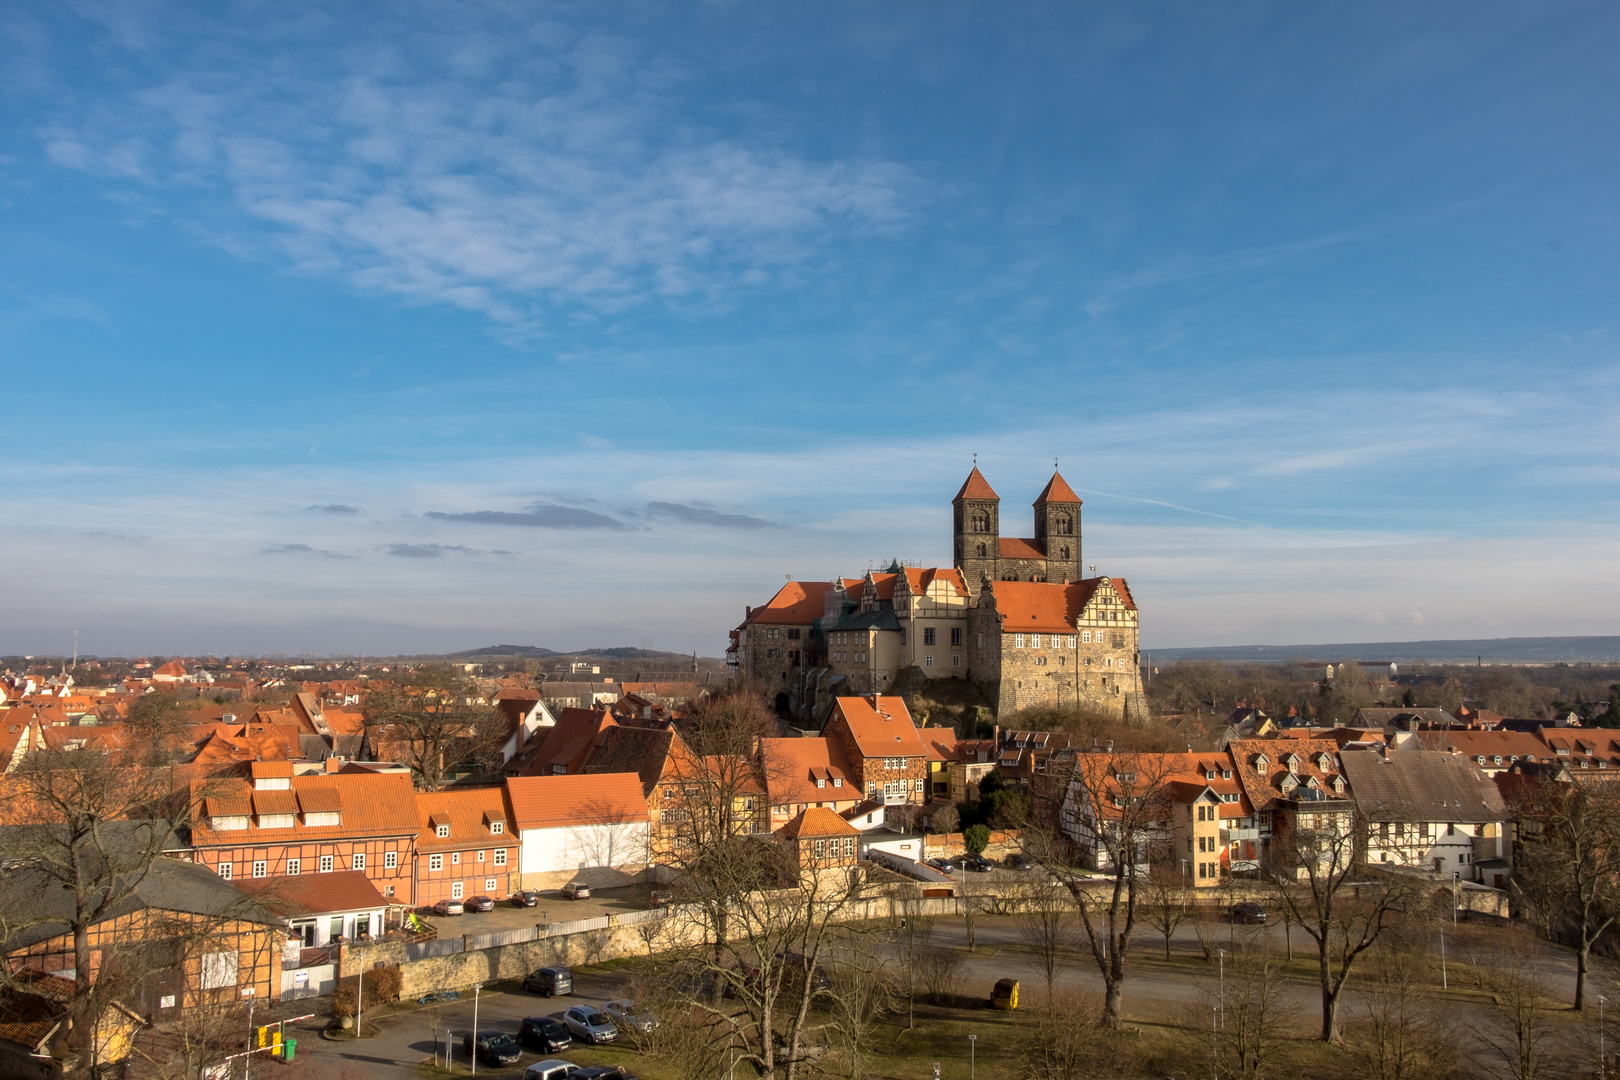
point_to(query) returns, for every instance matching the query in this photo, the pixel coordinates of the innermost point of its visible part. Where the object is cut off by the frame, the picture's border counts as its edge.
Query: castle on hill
(1014, 615)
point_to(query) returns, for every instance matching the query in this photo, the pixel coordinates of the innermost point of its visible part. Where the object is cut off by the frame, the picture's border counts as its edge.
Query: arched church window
(1011, 577)
(1063, 553)
(1065, 525)
(981, 522)
(981, 551)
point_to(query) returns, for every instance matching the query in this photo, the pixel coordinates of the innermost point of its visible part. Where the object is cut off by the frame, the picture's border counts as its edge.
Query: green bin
(288, 1046)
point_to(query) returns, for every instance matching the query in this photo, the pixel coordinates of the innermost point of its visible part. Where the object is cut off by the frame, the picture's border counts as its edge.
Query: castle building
(1014, 615)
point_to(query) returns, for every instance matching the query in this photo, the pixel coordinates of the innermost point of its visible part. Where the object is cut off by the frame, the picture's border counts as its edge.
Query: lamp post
(474, 1044)
(1222, 954)
(1456, 885)
(973, 1050)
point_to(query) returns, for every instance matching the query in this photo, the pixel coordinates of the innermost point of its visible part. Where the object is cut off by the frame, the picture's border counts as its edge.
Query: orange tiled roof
(1047, 608)
(549, 802)
(1056, 490)
(883, 729)
(976, 487)
(792, 767)
(817, 821)
(796, 602)
(1265, 788)
(1013, 548)
(374, 804)
(918, 579)
(469, 813)
(315, 894)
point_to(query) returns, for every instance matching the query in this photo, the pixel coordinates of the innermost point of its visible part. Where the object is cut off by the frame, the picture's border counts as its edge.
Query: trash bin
(288, 1045)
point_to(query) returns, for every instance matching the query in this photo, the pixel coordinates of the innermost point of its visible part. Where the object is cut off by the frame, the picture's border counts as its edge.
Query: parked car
(977, 863)
(590, 1024)
(576, 890)
(1016, 861)
(480, 903)
(551, 1068)
(603, 1072)
(624, 1015)
(438, 997)
(494, 1047)
(544, 1034)
(525, 898)
(944, 866)
(1249, 913)
(662, 897)
(449, 907)
(549, 981)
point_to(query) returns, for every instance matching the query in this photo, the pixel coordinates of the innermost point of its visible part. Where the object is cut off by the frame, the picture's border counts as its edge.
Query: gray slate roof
(1421, 785)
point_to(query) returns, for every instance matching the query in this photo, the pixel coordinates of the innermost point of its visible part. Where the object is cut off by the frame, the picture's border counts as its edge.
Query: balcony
(1235, 834)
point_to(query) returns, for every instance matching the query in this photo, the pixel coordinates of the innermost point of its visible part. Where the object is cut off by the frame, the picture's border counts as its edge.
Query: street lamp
(1222, 954)
(973, 1054)
(474, 1045)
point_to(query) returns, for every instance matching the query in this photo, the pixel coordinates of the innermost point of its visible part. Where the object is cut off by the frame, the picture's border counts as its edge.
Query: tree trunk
(1114, 1005)
(1583, 964)
(1330, 1013)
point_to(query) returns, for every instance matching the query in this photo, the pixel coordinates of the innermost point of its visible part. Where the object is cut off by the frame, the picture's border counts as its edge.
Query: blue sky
(421, 326)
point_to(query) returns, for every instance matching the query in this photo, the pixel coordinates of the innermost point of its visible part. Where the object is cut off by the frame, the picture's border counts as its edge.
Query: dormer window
(1260, 762)
(821, 781)
(838, 781)
(441, 830)
(1226, 774)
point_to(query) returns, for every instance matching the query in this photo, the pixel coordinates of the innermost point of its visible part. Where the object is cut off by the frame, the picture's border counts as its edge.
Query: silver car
(589, 1025)
(550, 1069)
(624, 1014)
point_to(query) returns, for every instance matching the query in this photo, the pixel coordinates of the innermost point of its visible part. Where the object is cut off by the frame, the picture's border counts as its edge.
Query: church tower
(977, 525)
(1057, 529)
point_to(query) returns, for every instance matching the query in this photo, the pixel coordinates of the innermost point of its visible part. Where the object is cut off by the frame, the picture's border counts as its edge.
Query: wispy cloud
(698, 514)
(302, 549)
(333, 508)
(438, 551)
(536, 516)
(535, 177)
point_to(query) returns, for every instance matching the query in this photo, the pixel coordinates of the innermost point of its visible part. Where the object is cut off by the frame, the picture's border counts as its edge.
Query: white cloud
(481, 174)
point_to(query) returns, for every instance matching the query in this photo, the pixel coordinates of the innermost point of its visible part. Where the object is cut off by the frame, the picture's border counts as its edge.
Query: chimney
(995, 735)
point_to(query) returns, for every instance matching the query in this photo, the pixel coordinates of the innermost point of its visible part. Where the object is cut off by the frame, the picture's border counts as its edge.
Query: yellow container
(1005, 995)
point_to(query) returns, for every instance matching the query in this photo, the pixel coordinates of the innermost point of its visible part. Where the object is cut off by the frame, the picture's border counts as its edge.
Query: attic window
(442, 830)
(838, 781)
(821, 781)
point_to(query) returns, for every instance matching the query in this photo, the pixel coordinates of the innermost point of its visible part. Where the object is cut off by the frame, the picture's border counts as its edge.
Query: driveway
(552, 908)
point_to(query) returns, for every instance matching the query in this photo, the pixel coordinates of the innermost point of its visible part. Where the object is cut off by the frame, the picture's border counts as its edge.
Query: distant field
(1521, 650)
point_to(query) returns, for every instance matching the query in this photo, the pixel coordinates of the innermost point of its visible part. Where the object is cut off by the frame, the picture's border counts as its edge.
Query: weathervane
(975, 460)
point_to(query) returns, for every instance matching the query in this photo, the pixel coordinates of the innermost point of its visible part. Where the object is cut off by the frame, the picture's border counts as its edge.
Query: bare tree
(1166, 903)
(1316, 879)
(1044, 927)
(1115, 813)
(1056, 1045)
(1250, 1017)
(1568, 872)
(1406, 1036)
(432, 722)
(1522, 1032)
(861, 992)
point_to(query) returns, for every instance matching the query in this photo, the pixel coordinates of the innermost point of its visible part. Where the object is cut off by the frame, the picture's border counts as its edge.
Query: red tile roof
(792, 767)
(884, 729)
(817, 821)
(1012, 548)
(315, 894)
(799, 602)
(918, 579)
(468, 812)
(374, 804)
(1056, 491)
(549, 802)
(1045, 608)
(976, 487)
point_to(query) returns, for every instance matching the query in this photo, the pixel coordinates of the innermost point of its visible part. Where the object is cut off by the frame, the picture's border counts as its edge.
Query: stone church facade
(1015, 615)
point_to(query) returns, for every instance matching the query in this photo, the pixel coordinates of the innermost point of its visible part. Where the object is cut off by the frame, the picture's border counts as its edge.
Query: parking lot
(553, 908)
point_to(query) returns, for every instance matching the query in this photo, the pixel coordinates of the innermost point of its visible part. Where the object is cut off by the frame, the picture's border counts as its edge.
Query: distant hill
(528, 652)
(1519, 650)
(619, 658)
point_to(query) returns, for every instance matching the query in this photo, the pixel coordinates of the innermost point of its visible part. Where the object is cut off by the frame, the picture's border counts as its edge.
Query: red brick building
(272, 823)
(883, 748)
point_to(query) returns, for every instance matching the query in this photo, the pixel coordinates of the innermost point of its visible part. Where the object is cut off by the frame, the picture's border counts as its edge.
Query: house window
(455, 858)
(455, 890)
(388, 890)
(956, 635)
(480, 856)
(358, 861)
(500, 856)
(956, 660)
(820, 848)
(390, 860)
(225, 870)
(849, 845)
(292, 867)
(489, 884)
(219, 970)
(928, 661)
(928, 635)
(261, 869)
(1018, 641)
(1203, 870)
(435, 862)
(1085, 636)
(838, 781)
(326, 864)
(497, 827)
(442, 830)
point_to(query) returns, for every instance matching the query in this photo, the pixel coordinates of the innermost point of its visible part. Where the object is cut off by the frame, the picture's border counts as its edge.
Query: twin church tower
(984, 555)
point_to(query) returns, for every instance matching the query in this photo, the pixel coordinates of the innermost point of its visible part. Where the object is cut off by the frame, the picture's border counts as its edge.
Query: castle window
(1085, 636)
(1063, 552)
(1018, 641)
(956, 660)
(1064, 526)
(981, 521)
(928, 635)
(981, 551)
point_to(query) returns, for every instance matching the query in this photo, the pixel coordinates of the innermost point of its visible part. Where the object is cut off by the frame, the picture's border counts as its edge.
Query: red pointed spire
(1057, 490)
(976, 487)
